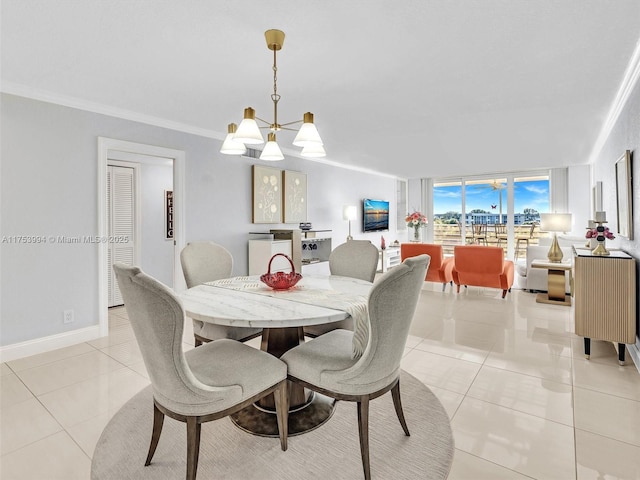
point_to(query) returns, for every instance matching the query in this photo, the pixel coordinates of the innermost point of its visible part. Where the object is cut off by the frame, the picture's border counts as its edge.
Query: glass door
(448, 206)
(530, 198)
(501, 211)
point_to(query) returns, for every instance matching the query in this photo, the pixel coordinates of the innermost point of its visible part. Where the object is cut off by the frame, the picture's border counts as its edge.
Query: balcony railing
(449, 235)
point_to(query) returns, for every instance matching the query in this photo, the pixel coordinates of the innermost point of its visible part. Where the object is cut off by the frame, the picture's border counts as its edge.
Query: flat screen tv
(375, 214)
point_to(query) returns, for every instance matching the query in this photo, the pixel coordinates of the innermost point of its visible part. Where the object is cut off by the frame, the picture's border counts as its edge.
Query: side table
(555, 282)
(605, 298)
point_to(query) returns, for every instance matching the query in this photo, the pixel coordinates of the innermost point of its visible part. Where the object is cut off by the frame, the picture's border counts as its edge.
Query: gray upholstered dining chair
(203, 384)
(327, 365)
(354, 259)
(205, 262)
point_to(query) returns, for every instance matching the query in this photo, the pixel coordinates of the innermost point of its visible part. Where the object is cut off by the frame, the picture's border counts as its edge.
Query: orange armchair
(482, 266)
(440, 268)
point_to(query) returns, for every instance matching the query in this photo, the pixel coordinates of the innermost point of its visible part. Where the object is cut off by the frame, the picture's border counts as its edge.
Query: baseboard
(634, 352)
(46, 344)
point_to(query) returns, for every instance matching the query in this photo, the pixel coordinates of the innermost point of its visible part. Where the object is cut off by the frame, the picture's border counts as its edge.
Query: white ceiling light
(231, 146)
(248, 132)
(271, 150)
(313, 150)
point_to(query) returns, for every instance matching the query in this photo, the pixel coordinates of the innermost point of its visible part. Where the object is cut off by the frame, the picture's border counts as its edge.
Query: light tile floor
(524, 402)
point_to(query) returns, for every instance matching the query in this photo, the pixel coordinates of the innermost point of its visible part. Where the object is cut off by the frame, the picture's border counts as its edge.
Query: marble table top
(543, 263)
(247, 302)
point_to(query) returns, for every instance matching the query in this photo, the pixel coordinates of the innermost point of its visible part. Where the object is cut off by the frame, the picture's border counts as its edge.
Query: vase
(417, 235)
(600, 250)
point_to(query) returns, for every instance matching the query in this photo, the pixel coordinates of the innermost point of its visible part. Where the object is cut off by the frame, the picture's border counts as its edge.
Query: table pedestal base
(555, 286)
(263, 422)
(544, 298)
(307, 409)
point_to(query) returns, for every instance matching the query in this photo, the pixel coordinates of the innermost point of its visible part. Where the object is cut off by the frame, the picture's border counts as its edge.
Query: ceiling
(418, 88)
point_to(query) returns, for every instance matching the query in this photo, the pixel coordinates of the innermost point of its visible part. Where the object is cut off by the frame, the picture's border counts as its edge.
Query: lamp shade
(248, 131)
(313, 150)
(271, 150)
(350, 212)
(308, 133)
(555, 222)
(231, 146)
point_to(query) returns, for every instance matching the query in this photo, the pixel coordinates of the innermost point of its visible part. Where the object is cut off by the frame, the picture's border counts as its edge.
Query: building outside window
(496, 211)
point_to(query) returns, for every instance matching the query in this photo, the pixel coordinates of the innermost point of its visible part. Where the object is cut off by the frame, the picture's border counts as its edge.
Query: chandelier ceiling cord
(248, 132)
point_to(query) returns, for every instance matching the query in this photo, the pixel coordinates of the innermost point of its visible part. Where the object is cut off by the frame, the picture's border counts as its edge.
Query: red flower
(593, 233)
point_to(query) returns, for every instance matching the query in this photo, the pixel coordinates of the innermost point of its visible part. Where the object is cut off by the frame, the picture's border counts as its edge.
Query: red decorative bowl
(281, 280)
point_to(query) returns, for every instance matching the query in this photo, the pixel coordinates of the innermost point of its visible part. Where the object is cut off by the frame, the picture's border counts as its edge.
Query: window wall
(502, 210)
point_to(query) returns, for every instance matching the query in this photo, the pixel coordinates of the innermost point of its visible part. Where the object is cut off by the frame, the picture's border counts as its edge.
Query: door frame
(179, 159)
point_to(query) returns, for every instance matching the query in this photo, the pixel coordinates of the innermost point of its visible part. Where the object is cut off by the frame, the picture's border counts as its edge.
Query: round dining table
(282, 314)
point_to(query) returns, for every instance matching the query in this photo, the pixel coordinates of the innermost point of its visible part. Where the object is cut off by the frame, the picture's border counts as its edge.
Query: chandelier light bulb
(231, 146)
(248, 131)
(271, 150)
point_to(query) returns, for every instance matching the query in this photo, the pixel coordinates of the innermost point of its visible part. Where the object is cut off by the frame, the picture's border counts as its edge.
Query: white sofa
(535, 279)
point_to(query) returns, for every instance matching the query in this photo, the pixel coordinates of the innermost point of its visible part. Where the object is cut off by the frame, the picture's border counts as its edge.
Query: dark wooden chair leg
(504, 293)
(397, 403)
(363, 430)
(158, 421)
(282, 413)
(444, 285)
(193, 446)
(197, 342)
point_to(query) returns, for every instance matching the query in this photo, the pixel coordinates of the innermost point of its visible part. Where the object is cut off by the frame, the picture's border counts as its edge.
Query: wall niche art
(294, 196)
(267, 195)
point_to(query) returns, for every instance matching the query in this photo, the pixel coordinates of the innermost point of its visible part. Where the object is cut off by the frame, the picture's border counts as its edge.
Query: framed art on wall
(168, 214)
(294, 196)
(623, 196)
(267, 195)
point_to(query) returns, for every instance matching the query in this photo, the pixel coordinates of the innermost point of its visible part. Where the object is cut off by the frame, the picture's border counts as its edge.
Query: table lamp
(350, 212)
(555, 222)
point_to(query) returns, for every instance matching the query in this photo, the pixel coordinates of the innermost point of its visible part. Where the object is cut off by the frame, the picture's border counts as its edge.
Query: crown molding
(81, 104)
(627, 85)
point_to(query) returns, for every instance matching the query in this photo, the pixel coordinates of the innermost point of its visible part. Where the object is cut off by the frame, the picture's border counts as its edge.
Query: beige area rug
(330, 452)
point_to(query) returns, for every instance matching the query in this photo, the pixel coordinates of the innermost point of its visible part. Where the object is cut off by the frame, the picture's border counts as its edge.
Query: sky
(530, 194)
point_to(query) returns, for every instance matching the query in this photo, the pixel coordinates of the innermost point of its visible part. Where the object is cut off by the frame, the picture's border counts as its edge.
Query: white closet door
(121, 218)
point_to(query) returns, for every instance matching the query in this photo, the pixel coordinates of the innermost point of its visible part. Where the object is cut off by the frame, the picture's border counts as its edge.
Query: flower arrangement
(593, 233)
(416, 220)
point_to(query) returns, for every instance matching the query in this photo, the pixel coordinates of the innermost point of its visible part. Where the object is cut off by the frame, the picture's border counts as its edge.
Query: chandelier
(248, 132)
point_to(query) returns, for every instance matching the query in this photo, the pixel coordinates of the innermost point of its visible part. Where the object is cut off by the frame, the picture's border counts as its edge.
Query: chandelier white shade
(314, 150)
(231, 146)
(248, 132)
(271, 150)
(308, 134)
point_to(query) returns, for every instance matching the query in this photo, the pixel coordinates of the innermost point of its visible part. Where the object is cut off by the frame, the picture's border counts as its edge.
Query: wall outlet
(68, 316)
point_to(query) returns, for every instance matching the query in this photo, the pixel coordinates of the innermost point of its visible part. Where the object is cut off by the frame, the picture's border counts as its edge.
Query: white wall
(156, 250)
(48, 187)
(579, 197)
(625, 135)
